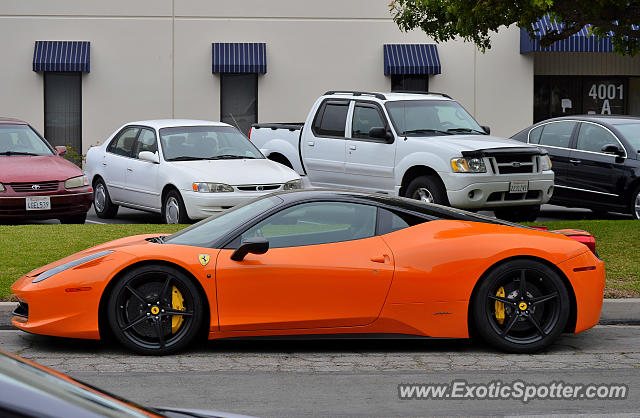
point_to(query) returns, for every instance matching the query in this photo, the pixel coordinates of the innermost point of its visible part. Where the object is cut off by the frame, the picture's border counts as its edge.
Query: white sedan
(183, 169)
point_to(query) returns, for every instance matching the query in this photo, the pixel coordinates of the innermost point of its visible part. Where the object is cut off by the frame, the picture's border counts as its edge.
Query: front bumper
(203, 205)
(471, 191)
(63, 203)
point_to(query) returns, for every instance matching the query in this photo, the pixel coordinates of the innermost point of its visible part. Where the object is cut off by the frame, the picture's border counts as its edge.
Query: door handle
(311, 143)
(352, 147)
(103, 163)
(129, 169)
(575, 161)
(382, 259)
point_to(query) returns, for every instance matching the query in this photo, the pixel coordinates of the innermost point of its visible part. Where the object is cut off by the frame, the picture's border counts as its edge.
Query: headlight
(468, 165)
(66, 266)
(545, 162)
(212, 187)
(2, 189)
(74, 182)
(293, 185)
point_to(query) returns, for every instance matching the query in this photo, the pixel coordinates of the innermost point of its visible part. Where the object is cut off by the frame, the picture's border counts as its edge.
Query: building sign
(604, 97)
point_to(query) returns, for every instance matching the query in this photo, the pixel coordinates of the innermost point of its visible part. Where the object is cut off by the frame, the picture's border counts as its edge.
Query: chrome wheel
(424, 195)
(172, 210)
(637, 205)
(99, 197)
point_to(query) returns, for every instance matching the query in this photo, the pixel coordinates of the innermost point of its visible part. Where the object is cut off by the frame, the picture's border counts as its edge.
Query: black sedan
(596, 160)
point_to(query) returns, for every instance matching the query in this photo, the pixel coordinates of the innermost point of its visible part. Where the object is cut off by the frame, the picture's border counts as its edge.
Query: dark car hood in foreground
(25, 169)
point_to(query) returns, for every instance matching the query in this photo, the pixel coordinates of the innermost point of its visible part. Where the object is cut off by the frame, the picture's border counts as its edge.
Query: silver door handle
(129, 169)
(575, 161)
(311, 143)
(353, 147)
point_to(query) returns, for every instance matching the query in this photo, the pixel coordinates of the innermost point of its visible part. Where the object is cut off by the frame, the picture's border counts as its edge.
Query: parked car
(195, 169)
(28, 389)
(35, 181)
(596, 160)
(421, 146)
(320, 262)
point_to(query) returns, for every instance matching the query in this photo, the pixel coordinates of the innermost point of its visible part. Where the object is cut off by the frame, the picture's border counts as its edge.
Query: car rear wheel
(74, 219)
(155, 310)
(427, 189)
(102, 203)
(518, 213)
(521, 306)
(173, 209)
(635, 203)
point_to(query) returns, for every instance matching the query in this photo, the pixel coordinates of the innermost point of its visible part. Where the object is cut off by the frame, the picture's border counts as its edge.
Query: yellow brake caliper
(177, 303)
(498, 305)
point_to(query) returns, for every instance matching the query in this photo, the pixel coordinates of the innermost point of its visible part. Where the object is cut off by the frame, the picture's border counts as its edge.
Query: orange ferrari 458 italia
(318, 262)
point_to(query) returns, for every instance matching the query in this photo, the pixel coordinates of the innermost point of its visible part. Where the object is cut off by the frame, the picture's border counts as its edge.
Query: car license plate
(38, 203)
(518, 187)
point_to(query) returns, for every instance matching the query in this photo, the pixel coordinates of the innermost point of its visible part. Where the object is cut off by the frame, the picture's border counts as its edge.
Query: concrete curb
(614, 311)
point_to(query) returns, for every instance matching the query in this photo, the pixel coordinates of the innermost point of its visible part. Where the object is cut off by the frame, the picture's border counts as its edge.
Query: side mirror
(486, 129)
(257, 245)
(149, 156)
(381, 133)
(61, 150)
(613, 149)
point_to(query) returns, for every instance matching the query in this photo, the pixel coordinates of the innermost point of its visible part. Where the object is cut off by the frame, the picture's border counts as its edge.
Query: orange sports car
(318, 262)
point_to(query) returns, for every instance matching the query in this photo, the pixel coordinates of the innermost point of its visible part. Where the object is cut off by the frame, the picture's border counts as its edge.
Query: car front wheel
(521, 306)
(427, 189)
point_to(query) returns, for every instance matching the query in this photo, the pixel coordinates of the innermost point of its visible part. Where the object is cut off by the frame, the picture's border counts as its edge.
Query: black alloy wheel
(521, 306)
(155, 310)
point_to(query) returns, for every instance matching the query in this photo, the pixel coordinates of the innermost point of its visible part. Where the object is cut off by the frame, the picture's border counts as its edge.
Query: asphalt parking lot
(358, 378)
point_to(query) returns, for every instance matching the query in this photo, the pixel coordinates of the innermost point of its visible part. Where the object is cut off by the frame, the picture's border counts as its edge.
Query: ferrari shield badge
(204, 259)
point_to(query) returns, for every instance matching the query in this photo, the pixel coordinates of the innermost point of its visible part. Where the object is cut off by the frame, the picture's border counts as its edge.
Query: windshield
(206, 143)
(22, 140)
(215, 227)
(631, 132)
(431, 118)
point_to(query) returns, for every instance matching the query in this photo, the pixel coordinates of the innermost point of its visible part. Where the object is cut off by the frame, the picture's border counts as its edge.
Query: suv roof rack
(356, 93)
(423, 92)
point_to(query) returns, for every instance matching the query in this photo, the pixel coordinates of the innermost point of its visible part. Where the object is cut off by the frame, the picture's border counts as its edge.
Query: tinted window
(409, 82)
(316, 223)
(534, 135)
(331, 119)
(389, 221)
(365, 118)
(123, 143)
(557, 134)
(593, 138)
(146, 142)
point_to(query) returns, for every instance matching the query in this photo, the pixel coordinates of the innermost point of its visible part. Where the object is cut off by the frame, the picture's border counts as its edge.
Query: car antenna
(235, 122)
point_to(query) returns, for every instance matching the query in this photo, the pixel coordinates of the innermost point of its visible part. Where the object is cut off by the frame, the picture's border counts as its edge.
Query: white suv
(194, 170)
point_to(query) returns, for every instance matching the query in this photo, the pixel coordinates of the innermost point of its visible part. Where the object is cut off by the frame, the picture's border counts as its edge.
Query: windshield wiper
(426, 131)
(466, 130)
(185, 158)
(17, 153)
(229, 157)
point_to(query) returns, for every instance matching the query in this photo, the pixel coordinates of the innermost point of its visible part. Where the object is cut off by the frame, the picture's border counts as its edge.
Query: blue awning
(581, 41)
(411, 59)
(62, 56)
(244, 57)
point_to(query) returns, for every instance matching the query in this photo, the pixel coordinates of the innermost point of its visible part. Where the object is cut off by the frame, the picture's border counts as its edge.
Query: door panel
(116, 160)
(142, 176)
(315, 286)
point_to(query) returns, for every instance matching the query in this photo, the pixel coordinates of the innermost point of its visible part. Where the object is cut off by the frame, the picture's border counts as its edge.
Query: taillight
(249, 136)
(581, 236)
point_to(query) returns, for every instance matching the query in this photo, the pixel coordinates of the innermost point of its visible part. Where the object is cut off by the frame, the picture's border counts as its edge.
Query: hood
(460, 143)
(25, 169)
(235, 172)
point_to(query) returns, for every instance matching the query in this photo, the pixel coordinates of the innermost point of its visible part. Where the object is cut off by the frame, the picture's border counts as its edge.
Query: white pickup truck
(423, 146)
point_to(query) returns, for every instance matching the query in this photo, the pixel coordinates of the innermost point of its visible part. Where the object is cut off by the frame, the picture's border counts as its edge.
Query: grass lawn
(25, 247)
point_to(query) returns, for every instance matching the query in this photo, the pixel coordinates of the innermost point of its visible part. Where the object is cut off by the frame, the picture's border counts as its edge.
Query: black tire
(635, 203)
(428, 189)
(173, 209)
(281, 160)
(530, 322)
(141, 310)
(518, 213)
(102, 203)
(74, 219)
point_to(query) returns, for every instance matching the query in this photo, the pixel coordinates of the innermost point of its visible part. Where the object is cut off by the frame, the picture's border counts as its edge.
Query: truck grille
(47, 186)
(258, 187)
(514, 164)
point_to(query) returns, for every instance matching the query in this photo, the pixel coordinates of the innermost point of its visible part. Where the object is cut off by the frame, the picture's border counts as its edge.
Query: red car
(35, 181)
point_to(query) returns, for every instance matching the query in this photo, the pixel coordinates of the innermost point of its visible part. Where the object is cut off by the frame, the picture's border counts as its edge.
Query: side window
(557, 134)
(146, 142)
(534, 135)
(316, 223)
(593, 138)
(123, 143)
(365, 117)
(331, 119)
(389, 221)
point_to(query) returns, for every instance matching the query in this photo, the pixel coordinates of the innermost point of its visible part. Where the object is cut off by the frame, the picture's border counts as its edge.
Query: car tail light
(581, 236)
(250, 130)
(540, 228)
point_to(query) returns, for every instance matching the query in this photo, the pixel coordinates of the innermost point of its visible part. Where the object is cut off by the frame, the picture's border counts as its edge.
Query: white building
(149, 59)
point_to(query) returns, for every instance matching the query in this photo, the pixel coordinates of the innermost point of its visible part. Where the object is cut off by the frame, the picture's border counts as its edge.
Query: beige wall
(152, 59)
